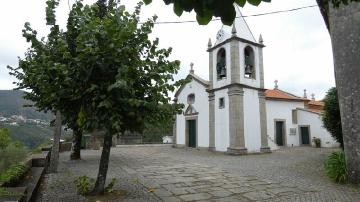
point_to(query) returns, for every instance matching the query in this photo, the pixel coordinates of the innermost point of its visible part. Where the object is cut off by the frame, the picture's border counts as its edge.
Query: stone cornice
(237, 39)
(235, 85)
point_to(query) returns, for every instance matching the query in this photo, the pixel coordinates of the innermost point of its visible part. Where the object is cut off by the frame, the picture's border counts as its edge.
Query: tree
(124, 77)
(5, 139)
(342, 20)
(331, 117)
(46, 73)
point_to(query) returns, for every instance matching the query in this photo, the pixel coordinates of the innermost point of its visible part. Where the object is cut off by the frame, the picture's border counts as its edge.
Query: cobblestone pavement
(168, 174)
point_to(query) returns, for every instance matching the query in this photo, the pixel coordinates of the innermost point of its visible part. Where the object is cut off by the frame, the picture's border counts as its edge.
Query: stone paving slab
(167, 174)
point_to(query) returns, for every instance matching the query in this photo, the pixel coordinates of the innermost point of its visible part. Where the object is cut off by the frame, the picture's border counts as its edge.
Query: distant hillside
(12, 103)
(30, 135)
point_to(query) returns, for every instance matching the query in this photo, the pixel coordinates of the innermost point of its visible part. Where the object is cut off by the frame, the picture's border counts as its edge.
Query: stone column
(211, 65)
(235, 61)
(212, 121)
(263, 123)
(174, 131)
(236, 121)
(261, 64)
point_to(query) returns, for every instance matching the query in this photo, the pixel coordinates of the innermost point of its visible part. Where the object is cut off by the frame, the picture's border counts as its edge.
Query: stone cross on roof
(192, 68)
(276, 84)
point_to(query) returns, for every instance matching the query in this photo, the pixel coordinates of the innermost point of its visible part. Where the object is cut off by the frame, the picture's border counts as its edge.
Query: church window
(249, 62)
(221, 64)
(222, 103)
(191, 99)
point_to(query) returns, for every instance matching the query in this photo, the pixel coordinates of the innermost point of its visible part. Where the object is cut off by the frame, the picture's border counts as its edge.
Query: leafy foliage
(4, 138)
(206, 9)
(110, 187)
(331, 117)
(335, 167)
(11, 152)
(84, 184)
(13, 174)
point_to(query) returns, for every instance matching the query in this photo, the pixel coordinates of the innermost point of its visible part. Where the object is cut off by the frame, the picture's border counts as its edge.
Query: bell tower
(236, 91)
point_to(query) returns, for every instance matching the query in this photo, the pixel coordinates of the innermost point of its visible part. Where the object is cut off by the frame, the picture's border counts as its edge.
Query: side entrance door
(279, 130)
(192, 132)
(305, 135)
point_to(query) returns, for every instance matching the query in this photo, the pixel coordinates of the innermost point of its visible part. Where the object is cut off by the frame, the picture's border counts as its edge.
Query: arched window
(249, 62)
(191, 99)
(221, 64)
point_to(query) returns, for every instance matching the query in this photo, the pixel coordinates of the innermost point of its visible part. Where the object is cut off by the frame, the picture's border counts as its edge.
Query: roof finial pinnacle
(276, 84)
(209, 43)
(233, 30)
(313, 96)
(261, 41)
(305, 95)
(192, 68)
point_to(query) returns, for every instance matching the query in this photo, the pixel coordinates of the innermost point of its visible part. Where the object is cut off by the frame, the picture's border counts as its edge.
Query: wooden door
(305, 135)
(279, 133)
(192, 133)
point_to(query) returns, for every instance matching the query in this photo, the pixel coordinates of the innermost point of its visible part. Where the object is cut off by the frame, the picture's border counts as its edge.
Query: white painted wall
(221, 121)
(252, 128)
(316, 128)
(201, 105)
(276, 109)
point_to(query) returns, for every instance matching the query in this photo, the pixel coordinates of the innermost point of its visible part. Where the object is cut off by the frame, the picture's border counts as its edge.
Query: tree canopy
(207, 9)
(331, 116)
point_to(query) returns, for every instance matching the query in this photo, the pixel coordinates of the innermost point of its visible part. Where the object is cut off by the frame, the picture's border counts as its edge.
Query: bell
(223, 72)
(248, 70)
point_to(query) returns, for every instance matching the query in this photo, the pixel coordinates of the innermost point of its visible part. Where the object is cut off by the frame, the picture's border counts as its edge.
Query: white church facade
(233, 112)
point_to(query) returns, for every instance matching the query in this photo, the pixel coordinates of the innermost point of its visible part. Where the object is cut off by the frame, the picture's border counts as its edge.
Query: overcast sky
(298, 48)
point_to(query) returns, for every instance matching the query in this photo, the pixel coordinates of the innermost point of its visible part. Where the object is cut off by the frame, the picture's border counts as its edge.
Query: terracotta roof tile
(319, 103)
(281, 95)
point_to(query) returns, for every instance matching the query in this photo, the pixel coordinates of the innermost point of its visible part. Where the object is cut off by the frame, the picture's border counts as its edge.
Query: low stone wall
(26, 188)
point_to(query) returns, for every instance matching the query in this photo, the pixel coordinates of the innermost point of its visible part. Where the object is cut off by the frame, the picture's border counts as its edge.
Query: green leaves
(207, 9)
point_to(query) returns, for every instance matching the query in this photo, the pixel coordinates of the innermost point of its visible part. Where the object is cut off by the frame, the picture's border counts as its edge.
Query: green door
(279, 133)
(305, 136)
(192, 132)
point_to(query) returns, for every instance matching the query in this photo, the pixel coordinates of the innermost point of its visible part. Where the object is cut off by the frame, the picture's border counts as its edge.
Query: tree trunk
(345, 37)
(54, 158)
(76, 144)
(104, 163)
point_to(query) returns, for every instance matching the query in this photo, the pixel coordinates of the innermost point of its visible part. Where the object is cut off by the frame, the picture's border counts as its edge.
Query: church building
(233, 112)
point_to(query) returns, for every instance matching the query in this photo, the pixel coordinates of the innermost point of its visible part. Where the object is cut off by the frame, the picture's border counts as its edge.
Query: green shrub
(84, 184)
(110, 186)
(12, 154)
(13, 174)
(335, 167)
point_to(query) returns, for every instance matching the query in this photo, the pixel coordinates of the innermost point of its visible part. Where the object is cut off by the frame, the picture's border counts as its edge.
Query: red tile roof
(281, 95)
(318, 103)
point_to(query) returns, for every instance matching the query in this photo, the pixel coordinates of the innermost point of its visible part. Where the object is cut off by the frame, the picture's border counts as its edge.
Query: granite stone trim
(263, 123)
(236, 121)
(211, 69)
(235, 62)
(235, 84)
(261, 67)
(211, 121)
(236, 39)
(187, 118)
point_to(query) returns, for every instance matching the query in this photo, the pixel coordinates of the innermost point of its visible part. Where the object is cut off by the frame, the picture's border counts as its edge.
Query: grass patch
(335, 167)
(6, 193)
(13, 174)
